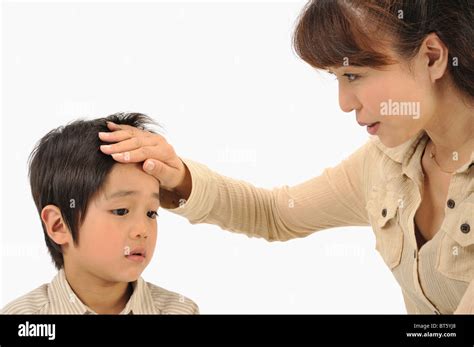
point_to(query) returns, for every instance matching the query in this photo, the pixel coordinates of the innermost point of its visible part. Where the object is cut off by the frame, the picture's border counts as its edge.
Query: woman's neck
(451, 131)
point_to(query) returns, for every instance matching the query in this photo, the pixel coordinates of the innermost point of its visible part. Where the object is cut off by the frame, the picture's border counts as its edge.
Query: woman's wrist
(184, 188)
(173, 198)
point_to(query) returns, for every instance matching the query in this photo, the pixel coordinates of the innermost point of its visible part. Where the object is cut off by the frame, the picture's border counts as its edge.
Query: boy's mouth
(137, 254)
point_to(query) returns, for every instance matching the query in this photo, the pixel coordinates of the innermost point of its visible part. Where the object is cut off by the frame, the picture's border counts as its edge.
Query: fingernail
(149, 166)
(124, 156)
(104, 134)
(105, 147)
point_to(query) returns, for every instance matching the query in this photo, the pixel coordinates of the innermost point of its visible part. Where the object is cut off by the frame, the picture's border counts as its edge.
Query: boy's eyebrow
(124, 193)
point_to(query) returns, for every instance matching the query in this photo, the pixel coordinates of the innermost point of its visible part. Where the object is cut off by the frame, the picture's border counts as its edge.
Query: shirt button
(451, 203)
(465, 228)
(384, 212)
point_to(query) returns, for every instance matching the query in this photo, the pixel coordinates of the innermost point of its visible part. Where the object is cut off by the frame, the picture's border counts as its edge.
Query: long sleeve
(336, 198)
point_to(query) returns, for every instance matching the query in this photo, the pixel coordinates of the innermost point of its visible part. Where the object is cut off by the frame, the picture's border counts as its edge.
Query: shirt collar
(141, 301)
(408, 154)
(64, 301)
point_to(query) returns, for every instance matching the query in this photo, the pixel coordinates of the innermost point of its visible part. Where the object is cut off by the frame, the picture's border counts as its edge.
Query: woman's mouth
(373, 128)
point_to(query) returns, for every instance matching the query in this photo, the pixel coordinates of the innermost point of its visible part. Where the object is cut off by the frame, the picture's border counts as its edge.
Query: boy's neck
(101, 296)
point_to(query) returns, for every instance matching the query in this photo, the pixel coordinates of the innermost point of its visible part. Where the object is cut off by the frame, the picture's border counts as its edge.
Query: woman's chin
(392, 140)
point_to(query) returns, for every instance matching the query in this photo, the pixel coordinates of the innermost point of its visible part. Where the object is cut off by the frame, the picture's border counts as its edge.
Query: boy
(99, 223)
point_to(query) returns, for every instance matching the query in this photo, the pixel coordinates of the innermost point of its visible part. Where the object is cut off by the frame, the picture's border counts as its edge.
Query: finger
(112, 126)
(132, 130)
(120, 135)
(142, 154)
(158, 169)
(127, 128)
(114, 136)
(130, 145)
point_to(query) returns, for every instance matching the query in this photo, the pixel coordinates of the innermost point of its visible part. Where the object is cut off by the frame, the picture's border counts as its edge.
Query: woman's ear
(435, 55)
(55, 226)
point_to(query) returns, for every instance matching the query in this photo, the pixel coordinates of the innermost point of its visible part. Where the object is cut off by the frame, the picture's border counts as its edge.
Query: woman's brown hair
(353, 32)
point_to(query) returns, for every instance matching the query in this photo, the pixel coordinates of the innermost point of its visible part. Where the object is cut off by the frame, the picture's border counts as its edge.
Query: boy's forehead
(123, 193)
(132, 170)
(129, 177)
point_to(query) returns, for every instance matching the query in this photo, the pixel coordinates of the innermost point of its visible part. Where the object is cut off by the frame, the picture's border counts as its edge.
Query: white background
(223, 80)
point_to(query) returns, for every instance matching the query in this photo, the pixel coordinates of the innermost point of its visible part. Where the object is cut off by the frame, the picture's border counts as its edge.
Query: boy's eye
(120, 212)
(152, 214)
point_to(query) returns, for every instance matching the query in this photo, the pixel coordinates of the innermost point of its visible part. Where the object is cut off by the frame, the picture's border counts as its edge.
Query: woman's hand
(158, 156)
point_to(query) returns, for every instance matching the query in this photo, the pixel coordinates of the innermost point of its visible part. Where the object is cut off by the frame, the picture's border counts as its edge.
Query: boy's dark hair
(67, 167)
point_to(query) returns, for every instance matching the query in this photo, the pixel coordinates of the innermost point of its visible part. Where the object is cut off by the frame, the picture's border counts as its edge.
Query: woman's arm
(335, 198)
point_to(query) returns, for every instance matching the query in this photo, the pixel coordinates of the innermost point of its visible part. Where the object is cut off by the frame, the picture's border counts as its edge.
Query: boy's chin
(129, 276)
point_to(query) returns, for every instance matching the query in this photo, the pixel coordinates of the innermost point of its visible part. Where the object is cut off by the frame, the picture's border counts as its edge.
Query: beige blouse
(377, 186)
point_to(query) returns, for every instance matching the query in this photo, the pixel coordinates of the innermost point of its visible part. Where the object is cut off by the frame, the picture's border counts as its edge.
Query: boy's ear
(55, 226)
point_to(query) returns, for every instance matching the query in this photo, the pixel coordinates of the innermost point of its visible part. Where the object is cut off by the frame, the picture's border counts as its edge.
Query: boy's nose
(139, 232)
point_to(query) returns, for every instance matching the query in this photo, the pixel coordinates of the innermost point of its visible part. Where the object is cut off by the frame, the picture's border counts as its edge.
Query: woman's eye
(351, 77)
(120, 212)
(152, 214)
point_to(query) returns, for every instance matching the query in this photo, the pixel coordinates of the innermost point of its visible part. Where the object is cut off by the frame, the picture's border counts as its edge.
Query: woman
(406, 68)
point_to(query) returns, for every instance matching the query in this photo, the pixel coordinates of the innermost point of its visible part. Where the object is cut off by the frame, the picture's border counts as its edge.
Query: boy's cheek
(105, 253)
(103, 241)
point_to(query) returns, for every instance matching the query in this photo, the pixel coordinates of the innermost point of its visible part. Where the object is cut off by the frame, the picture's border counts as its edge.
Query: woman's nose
(347, 100)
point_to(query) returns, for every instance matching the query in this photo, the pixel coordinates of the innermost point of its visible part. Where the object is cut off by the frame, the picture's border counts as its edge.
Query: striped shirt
(57, 297)
(376, 186)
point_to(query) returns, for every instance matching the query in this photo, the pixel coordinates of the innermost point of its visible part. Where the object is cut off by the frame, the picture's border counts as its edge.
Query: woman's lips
(362, 124)
(373, 128)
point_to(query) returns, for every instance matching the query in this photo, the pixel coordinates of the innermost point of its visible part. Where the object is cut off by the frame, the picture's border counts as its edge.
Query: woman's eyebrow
(346, 69)
(125, 193)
